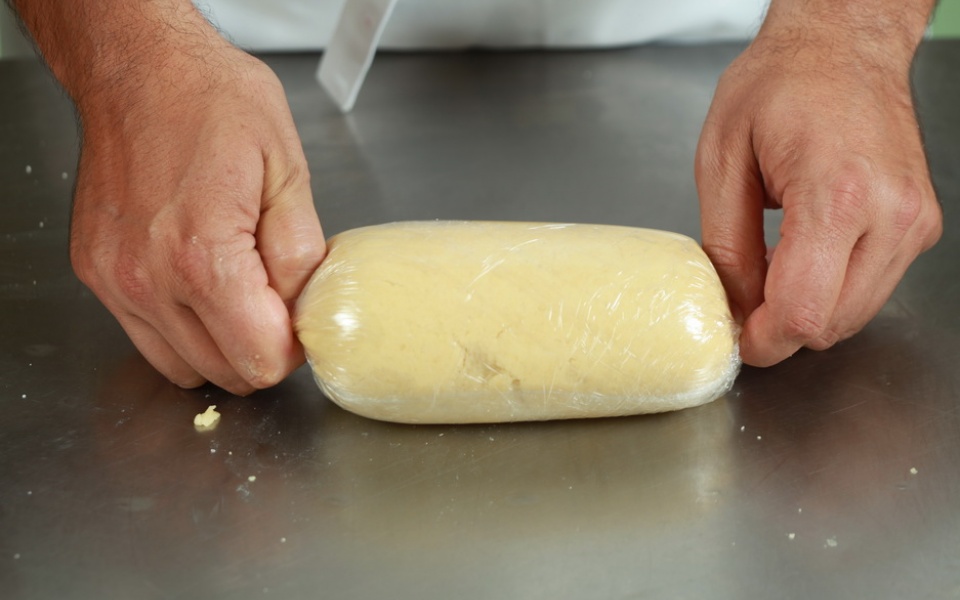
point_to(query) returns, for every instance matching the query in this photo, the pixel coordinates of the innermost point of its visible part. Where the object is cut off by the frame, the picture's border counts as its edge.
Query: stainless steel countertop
(797, 484)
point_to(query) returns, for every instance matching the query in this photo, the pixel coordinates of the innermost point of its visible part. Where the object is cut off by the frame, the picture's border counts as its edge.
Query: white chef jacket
(433, 24)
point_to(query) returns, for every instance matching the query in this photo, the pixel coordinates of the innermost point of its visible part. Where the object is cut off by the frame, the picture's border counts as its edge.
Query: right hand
(820, 124)
(193, 219)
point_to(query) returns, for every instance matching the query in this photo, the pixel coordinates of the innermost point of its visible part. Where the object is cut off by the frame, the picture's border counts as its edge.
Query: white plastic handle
(350, 53)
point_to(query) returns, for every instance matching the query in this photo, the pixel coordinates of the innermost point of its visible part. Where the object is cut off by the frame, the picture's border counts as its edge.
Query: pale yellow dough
(207, 420)
(459, 322)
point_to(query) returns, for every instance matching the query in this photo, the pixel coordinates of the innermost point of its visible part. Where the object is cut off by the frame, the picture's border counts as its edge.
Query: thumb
(289, 237)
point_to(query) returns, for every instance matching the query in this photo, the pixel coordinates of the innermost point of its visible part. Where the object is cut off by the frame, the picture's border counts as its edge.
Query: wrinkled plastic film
(458, 322)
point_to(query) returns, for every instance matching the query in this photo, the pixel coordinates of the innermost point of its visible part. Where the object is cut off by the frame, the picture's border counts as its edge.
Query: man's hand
(193, 219)
(816, 118)
(194, 223)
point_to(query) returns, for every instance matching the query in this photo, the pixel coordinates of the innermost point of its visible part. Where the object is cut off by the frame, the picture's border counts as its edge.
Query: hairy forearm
(886, 30)
(97, 45)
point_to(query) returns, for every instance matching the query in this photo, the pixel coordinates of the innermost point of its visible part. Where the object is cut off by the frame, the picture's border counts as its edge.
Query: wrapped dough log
(466, 322)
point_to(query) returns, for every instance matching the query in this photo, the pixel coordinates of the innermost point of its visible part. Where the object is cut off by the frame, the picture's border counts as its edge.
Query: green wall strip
(946, 21)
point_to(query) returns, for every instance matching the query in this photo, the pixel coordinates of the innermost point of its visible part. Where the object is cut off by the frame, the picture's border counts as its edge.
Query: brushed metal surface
(800, 483)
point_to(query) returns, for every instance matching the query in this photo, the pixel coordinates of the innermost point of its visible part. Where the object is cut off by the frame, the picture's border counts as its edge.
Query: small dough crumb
(252, 478)
(832, 542)
(791, 535)
(29, 169)
(913, 471)
(207, 420)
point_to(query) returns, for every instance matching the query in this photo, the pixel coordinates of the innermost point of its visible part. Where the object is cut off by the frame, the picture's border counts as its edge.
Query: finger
(906, 225)
(877, 264)
(155, 308)
(188, 336)
(289, 237)
(158, 351)
(249, 321)
(805, 278)
(731, 217)
(870, 279)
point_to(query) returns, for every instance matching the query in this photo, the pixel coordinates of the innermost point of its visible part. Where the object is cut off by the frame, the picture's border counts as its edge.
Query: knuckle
(291, 174)
(88, 258)
(300, 256)
(296, 174)
(826, 340)
(909, 204)
(299, 171)
(930, 224)
(804, 324)
(849, 197)
(915, 214)
(191, 270)
(82, 263)
(727, 259)
(133, 279)
(834, 334)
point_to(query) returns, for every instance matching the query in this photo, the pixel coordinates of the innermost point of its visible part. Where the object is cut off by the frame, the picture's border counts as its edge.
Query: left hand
(193, 217)
(827, 132)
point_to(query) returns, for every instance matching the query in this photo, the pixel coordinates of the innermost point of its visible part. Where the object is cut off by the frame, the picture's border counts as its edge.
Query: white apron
(432, 24)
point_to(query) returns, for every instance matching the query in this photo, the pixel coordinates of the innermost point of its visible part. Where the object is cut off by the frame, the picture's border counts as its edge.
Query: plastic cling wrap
(464, 322)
